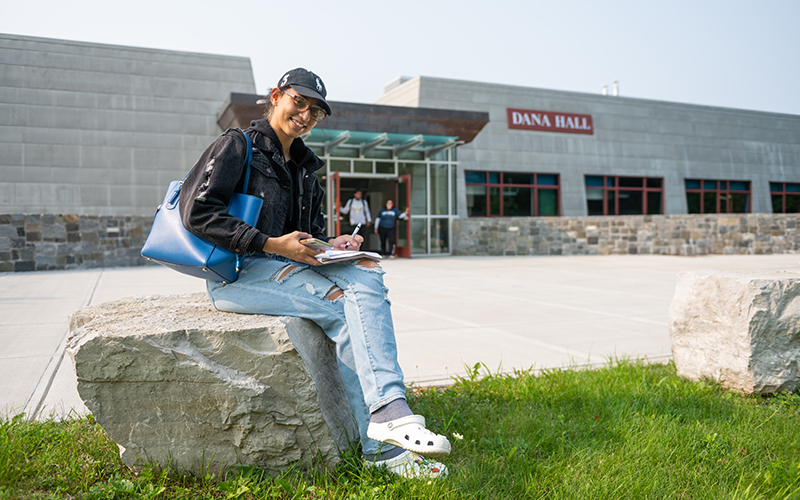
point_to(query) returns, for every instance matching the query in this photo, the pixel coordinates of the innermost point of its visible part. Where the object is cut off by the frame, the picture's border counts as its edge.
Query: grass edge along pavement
(628, 430)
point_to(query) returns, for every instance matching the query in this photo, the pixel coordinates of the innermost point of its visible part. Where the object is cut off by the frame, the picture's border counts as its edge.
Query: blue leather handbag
(170, 244)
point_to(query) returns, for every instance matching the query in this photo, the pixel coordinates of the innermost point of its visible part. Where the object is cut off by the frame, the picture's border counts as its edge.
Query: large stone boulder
(174, 381)
(740, 329)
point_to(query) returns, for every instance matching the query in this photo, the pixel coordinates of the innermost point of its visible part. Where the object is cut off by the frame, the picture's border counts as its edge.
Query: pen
(355, 232)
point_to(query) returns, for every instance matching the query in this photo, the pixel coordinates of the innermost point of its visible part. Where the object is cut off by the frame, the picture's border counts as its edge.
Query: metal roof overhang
(365, 141)
(396, 121)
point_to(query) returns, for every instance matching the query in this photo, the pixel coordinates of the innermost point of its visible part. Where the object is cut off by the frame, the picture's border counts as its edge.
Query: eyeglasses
(317, 114)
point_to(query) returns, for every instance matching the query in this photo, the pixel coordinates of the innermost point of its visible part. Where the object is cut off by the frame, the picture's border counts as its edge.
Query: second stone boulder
(741, 329)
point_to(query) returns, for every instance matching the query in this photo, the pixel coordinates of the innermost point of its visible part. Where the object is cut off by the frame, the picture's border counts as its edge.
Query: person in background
(385, 226)
(281, 277)
(358, 209)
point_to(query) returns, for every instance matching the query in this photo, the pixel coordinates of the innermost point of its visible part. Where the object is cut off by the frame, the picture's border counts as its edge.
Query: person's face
(389, 204)
(357, 195)
(286, 119)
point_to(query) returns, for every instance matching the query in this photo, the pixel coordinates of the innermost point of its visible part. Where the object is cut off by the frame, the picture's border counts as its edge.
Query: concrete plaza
(450, 313)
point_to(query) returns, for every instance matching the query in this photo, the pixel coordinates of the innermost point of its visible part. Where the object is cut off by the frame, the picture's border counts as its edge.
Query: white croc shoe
(410, 433)
(410, 465)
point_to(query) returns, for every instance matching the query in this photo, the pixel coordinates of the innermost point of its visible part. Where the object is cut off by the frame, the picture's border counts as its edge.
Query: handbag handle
(247, 159)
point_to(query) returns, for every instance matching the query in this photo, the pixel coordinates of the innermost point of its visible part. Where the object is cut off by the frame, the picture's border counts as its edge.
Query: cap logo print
(285, 79)
(319, 85)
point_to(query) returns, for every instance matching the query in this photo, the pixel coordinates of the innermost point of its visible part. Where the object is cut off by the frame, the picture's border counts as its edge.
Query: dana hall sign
(549, 121)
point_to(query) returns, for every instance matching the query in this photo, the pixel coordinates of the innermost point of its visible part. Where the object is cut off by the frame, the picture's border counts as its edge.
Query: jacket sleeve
(208, 189)
(346, 208)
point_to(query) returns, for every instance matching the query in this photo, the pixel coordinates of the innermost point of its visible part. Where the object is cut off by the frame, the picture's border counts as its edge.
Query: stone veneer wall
(35, 242)
(637, 234)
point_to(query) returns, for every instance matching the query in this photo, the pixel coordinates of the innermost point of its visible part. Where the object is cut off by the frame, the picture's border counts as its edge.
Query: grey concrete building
(95, 129)
(91, 135)
(678, 145)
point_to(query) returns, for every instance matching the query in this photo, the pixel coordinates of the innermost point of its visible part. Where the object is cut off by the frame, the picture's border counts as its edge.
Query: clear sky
(731, 53)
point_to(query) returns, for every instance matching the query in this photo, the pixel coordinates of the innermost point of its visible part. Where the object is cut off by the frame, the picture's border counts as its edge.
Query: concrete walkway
(450, 313)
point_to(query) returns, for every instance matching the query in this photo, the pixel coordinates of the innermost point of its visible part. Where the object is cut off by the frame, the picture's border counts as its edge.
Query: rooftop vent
(614, 89)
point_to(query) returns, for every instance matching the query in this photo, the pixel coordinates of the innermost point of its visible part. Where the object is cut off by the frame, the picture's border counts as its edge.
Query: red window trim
(616, 187)
(783, 193)
(536, 187)
(702, 190)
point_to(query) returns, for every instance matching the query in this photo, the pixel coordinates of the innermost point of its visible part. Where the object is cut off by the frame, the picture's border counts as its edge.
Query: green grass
(630, 430)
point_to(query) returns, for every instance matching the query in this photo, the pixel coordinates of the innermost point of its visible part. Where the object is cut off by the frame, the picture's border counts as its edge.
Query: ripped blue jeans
(348, 301)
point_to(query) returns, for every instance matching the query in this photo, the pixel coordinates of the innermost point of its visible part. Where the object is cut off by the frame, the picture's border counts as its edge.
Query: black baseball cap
(307, 84)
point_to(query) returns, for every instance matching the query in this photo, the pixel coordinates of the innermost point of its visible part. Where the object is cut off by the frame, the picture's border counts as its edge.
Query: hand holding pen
(355, 232)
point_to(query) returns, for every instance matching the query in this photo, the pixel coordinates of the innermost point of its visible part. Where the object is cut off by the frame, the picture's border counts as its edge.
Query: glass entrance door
(382, 175)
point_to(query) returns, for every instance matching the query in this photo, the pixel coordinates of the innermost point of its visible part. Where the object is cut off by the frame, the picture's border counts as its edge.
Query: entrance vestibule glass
(439, 189)
(433, 187)
(440, 236)
(419, 186)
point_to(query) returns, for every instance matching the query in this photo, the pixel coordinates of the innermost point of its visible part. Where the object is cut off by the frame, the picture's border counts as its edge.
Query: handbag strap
(248, 157)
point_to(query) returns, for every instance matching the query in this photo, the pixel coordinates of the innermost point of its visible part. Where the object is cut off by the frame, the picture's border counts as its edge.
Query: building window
(511, 194)
(612, 195)
(785, 197)
(717, 197)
